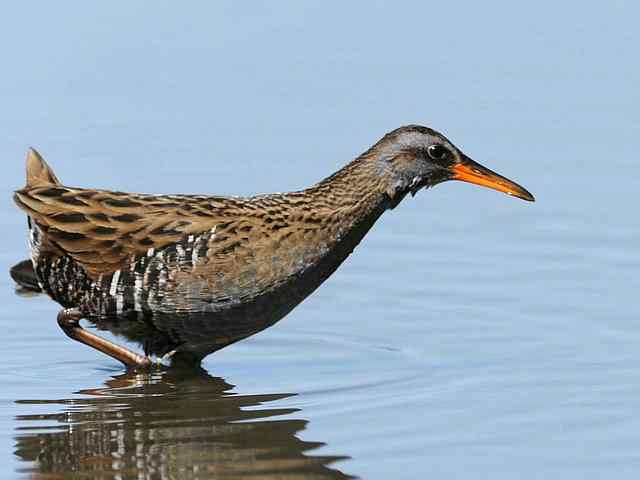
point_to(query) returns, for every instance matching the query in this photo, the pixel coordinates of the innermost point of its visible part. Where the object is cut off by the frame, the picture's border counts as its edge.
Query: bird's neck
(330, 219)
(345, 206)
(354, 191)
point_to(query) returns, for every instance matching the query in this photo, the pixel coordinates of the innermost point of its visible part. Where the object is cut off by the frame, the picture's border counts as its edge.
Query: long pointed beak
(473, 172)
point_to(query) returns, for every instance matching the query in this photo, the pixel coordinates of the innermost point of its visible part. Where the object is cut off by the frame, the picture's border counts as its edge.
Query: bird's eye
(437, 152)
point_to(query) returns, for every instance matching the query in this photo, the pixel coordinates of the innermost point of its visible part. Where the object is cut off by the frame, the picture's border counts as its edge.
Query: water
(470, 335)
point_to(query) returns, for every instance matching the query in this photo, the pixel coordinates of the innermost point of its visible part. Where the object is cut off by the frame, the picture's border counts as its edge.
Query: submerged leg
(69, 321)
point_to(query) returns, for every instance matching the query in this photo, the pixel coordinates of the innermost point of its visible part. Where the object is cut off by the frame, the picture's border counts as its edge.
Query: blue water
(470, 335)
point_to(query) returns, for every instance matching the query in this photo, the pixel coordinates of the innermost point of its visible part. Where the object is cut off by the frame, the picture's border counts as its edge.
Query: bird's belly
(161, 304)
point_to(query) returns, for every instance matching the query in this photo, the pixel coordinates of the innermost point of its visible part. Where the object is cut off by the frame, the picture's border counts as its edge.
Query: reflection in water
(168, 424)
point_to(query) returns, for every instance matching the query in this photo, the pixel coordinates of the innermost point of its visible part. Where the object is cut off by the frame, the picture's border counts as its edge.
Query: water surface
(470, 335)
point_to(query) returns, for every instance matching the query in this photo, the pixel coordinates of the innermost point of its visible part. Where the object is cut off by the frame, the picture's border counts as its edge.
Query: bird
(186, 275)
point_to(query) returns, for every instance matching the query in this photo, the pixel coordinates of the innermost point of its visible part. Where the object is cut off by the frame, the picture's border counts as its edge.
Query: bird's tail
(39, 173)
(25, 276)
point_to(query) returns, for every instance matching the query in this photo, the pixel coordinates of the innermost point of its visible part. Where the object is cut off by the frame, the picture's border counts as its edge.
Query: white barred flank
(194, 257)
(139, 287)
(114, 283)
(181, 254)
(119, 303)
(137, 293)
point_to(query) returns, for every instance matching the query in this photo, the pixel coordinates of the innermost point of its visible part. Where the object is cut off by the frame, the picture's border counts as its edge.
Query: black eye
(437, 152)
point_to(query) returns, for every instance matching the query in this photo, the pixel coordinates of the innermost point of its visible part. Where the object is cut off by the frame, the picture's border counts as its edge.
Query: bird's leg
(69, 321)
(166, 356)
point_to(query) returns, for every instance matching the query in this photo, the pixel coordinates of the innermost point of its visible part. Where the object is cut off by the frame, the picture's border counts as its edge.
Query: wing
(103, 230)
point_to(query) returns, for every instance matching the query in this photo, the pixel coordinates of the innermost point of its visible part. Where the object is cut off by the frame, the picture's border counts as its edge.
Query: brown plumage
(186, 275)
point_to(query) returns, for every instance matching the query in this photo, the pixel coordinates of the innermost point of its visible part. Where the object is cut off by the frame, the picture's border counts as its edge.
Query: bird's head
(413, 157)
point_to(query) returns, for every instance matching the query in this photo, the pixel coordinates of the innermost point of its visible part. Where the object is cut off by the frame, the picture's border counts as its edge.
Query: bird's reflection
(168, 424)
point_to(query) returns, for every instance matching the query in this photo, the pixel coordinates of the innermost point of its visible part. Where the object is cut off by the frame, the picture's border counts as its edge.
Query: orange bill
(472, 172)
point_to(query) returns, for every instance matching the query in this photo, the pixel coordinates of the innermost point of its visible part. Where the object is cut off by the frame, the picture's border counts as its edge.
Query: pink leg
(69, 321)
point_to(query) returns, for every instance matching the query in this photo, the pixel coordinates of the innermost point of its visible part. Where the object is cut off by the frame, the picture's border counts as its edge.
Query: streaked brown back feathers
(101, 230)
